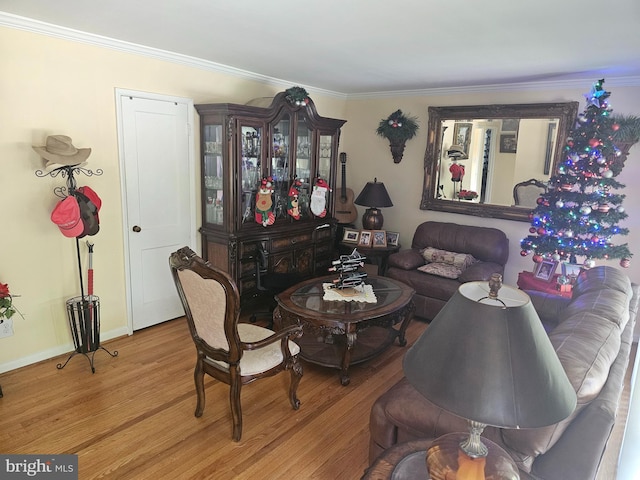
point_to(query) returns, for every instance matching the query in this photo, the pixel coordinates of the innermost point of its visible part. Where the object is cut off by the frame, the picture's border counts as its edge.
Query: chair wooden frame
(209, 359)
(532, 182)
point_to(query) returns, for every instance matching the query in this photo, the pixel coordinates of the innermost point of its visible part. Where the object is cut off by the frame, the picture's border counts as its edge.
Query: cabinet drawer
(286, 242)
(323, 233)
(323, 250)
(247, 249)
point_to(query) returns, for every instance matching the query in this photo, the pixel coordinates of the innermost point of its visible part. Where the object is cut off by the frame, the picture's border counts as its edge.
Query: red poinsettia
(467, 194)
(7, 309)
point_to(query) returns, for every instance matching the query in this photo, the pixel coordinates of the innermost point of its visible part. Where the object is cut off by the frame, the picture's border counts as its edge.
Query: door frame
(119, 93)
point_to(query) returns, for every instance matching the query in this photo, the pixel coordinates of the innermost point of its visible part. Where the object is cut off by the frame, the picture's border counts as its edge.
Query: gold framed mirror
(504, 145)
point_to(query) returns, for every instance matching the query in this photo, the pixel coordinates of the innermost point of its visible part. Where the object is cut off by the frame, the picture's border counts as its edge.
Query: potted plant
(7, 308)
(467, 195)
(397, 128)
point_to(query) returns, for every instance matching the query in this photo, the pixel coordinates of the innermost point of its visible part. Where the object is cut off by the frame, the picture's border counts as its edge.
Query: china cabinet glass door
(304, 166)
(213, 174)
(324, 157)
(251, 168)
(280, 173)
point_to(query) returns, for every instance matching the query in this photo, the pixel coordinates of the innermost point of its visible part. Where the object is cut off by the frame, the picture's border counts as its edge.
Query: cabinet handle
(136, 229)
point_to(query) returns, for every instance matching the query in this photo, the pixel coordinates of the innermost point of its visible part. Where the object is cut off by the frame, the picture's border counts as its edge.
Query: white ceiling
(357, 47)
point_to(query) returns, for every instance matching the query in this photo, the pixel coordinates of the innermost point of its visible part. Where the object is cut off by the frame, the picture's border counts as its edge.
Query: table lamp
(487, 358)
(374, 195)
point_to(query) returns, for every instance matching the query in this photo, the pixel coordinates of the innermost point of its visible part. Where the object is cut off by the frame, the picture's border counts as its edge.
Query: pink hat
(66, 215)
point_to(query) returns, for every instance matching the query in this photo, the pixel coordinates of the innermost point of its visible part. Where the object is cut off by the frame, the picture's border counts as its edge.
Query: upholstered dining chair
(231, 352)
(526, 193)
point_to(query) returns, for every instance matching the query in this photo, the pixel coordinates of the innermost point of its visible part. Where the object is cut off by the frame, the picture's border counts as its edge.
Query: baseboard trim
(56, 351)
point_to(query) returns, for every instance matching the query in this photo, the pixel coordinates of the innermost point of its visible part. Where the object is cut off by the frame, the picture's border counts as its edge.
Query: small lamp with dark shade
(487, 358)
(374, 195)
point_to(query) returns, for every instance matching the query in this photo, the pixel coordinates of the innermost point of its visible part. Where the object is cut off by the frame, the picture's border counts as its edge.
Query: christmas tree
(580, 213)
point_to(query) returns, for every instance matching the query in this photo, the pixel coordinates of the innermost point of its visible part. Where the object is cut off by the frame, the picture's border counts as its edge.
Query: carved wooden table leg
(408, 316)
(352, 337)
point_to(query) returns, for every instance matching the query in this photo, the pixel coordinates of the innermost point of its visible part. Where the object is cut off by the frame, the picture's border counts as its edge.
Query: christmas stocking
(264, 203)
(319, 198)
(293, 208)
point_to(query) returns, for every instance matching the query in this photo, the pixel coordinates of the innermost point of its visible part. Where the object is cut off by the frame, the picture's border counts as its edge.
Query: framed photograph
(571, 270)
(462, 137)
(508, 143)
(545, 270)
(379, 238)
(365, 238)
(350, 236)
(510, 124)
(393, 239)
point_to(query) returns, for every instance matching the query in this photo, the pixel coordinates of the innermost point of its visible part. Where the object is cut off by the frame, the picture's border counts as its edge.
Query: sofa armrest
(406, 260)
(480, 271)
(578, 452)
(548, 306)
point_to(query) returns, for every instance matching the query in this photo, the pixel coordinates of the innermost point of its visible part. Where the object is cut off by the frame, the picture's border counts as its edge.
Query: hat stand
(83, 311)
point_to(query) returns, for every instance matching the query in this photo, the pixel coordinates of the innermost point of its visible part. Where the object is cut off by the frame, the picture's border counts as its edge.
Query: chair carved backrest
(212, 305)
(526, 193)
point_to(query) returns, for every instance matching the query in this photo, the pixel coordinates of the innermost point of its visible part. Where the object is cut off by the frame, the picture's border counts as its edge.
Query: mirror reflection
(493, 160)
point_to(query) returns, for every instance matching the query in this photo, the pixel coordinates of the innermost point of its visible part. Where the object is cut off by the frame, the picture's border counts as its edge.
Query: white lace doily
(362, 293)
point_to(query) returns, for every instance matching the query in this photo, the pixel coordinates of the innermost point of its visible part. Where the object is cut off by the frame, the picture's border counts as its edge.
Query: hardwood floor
(133, 418)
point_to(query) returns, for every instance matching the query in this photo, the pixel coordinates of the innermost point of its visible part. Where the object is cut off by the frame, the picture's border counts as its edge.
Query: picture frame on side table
(571, 271)
(379, 238)
(365, 238)
(393, 239)
(545, 270)
(350, 236)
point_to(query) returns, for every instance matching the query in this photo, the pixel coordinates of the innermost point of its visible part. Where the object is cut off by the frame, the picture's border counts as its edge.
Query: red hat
(66, 215)
(93, 198)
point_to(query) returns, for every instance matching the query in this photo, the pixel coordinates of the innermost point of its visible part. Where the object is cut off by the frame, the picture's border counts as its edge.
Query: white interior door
(159, 204)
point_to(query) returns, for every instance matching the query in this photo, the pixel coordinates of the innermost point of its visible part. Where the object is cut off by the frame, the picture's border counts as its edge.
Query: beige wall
(54, 86)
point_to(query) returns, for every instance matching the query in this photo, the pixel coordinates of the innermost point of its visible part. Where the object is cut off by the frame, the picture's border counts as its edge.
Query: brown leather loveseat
(489, 246)
(592, 333)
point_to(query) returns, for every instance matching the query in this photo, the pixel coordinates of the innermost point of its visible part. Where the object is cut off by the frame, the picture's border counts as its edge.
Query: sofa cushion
(425, 284)
(480, 271)
(441, 270)
(459, 260)
(405, 260)
(484, 243)
(600, 278)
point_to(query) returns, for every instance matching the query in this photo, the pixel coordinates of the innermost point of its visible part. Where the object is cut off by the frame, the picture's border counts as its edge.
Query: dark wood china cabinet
(285, 143)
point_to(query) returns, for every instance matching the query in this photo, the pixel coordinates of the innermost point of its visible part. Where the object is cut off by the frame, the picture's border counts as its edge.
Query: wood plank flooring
(133, 418)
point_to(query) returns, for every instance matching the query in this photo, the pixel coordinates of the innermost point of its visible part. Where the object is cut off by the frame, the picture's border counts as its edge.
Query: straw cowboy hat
(60, 151)
(455, 151)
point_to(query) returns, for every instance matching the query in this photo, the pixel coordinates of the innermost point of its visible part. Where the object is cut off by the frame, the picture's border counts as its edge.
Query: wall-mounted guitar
(345, 209)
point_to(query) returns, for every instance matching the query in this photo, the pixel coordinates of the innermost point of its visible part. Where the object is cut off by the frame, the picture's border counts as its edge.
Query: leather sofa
(489, 246)
(592, 333)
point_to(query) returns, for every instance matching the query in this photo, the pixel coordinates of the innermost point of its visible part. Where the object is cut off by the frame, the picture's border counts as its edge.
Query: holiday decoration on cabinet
(266, 177)
(580, 213)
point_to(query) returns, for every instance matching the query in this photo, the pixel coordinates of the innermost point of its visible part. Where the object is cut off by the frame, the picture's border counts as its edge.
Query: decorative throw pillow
(441, 270)
(459, 260)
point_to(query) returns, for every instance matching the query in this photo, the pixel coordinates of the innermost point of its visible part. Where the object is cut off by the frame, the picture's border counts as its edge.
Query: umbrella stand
(84, 311)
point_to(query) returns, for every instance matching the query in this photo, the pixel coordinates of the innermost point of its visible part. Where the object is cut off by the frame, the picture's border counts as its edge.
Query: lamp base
(372, 219)
(446, 460)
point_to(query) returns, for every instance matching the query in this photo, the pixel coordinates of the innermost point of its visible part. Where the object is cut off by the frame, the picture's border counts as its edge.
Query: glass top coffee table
(341, 333)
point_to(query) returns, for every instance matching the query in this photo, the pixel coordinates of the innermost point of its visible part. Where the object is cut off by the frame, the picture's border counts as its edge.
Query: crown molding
(42, 28)
(35, 26)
